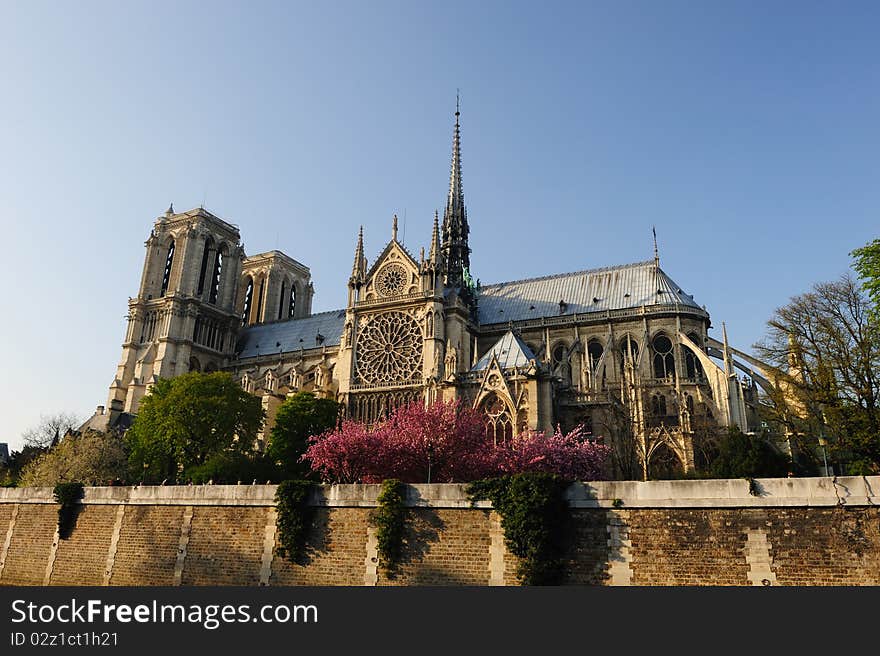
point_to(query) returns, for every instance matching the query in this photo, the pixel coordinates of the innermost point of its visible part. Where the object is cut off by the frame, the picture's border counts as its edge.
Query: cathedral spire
(455, 225)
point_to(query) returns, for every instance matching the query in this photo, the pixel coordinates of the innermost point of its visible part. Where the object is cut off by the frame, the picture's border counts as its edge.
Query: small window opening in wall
(166, 275)
(292, 300)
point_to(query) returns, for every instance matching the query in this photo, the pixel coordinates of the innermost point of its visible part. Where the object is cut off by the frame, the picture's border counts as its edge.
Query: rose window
(391, 280)
(389, 349)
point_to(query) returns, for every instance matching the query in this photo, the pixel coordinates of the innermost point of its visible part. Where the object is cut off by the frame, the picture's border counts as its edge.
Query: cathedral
(622, 350)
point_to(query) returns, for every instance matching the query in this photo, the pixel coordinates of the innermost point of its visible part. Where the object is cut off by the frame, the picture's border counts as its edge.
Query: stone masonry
(815, 531)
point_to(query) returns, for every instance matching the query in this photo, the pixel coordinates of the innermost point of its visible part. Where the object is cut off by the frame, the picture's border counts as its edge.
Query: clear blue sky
(747, 132)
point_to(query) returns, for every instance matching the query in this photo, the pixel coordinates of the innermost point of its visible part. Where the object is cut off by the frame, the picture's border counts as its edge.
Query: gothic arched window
(499, 423)
(203, 270)
(693, 368)
(559, 357)
(166, 274)
(281, 299)
(658, 405)
(594, 353)
(248, 300)
(218, 270)
(260, 294)
(664, 359)
(292, 299)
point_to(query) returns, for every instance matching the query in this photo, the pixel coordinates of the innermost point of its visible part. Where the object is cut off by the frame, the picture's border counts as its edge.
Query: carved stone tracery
(389, 349)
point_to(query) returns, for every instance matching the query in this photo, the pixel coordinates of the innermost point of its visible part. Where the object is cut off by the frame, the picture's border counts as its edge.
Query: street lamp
(823, 442)
(430, 453)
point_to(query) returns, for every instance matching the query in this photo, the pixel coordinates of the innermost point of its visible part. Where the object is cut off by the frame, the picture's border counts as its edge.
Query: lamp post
(823, 441)
(430, 453)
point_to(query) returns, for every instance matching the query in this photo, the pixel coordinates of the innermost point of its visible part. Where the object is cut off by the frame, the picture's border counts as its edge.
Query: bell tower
(184, 317)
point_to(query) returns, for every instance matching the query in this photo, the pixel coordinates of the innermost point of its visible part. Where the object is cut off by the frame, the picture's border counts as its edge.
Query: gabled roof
(379, 261)
(595, 290)
(510, 351)
(291, 335)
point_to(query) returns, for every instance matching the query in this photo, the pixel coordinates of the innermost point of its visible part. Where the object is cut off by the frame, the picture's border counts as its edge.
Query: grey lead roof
(292, 335)
(595, 290)
(510, 351)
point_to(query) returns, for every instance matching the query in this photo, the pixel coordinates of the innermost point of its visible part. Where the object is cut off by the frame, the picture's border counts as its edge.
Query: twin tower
(203, 305)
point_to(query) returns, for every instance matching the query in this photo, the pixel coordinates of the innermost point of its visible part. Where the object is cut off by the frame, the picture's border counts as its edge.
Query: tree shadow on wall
(423, 527)
(317, 539)
(589, 549)
(67, 519)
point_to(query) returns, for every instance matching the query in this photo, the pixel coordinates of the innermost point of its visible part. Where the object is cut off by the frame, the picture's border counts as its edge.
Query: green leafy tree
(867, 265)
(743, 456)
(93, 458)
(299, 417)
(10, 473)
(187, 421)
(827, 354)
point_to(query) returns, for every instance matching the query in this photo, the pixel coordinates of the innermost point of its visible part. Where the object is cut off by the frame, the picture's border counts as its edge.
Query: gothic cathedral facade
(621, 350)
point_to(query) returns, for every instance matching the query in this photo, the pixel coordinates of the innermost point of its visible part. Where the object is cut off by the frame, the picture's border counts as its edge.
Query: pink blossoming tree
(444, 443)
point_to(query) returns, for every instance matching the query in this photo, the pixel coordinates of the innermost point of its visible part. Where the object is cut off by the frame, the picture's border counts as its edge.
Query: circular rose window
(389, 349)
(391, 280)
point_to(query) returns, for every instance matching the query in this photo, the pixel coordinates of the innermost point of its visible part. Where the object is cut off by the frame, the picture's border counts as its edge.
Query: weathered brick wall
(795, 532)
(587, 561)
(443, 547)
(825, 546)
(337, 551)
(146, 552)
(688, 547)
(82, 558)
(31, 544)
(225, 546)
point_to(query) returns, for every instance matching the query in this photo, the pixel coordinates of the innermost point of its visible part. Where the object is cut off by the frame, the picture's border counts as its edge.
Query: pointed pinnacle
(435, 239)
(357, 267)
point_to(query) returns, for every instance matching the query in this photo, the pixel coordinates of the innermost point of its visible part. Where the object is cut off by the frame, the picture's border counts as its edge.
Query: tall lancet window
(292, 300)
(664, 358)
(203, 270)
(260, 293)
(248, 299)
(499, 424)
(218, 271)
(166, 275)
(281, 299)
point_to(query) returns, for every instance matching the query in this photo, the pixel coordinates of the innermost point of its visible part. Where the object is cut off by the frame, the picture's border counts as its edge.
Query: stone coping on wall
(721, 493)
